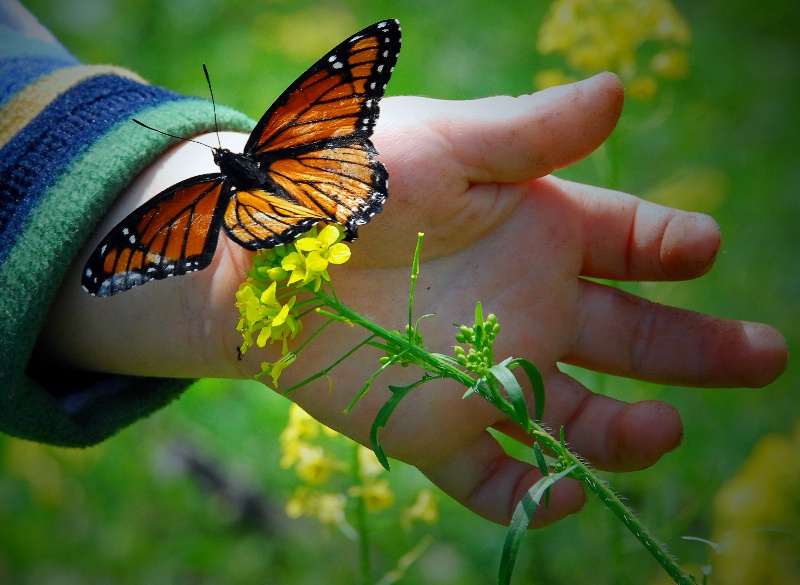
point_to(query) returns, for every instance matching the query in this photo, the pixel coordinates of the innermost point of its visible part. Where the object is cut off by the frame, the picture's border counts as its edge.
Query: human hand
(473, 177)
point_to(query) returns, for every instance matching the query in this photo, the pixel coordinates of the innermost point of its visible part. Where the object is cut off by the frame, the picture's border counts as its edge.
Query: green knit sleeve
(68, 148)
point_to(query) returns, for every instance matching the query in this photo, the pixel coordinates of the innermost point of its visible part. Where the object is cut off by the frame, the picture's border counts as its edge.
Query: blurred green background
(141, 508)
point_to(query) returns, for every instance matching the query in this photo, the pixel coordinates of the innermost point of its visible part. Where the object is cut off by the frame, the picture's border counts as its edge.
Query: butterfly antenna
(168, 134)
(213, 103)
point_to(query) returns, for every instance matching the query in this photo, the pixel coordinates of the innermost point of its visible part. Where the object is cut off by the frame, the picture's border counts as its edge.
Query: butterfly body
(240, 170)
(309, 159)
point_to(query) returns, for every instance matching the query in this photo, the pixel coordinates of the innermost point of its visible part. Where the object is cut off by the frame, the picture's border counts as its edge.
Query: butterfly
(309, 159)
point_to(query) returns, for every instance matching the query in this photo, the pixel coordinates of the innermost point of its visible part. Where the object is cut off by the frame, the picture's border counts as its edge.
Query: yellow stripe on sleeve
(30, 102)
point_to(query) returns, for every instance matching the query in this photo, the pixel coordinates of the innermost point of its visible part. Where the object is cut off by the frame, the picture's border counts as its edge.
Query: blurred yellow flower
(616, 35)
(327, 508)
(303, 423)
(311, 462)
(314, 465)
(551, 78)
(758, 516)
(642, 88)
(377, 495)
(424, 509)
(330, 508)
(368, 463)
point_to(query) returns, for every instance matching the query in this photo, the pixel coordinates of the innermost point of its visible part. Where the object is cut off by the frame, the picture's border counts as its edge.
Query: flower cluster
(316, 463)
(266, 301)
(758, 516)
(424, 509)
(637, 39)
(479, 356)
(312, 450)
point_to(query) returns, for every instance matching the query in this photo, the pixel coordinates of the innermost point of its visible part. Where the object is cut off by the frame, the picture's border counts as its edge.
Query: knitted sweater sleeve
(68, 148)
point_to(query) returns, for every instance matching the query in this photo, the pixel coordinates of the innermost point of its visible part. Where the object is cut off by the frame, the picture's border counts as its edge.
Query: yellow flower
(301, 503)
(314, 466)
(300, 428)
(328, 508)
(275, 370)
(607, 35)
(368, 463)
(262, 304)
(377, 495)
(425, 509)
(290, 448)
(304, 423)
(313, 253)
(261, 311)
(311, 462)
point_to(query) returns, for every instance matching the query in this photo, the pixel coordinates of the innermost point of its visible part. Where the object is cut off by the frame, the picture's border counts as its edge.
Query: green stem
(324, 372)
(599, 488)
(362, 526)
(414, 276)
(391, 337)
(581, 472)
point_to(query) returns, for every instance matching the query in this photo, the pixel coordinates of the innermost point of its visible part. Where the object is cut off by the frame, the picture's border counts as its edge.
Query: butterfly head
(242, 171)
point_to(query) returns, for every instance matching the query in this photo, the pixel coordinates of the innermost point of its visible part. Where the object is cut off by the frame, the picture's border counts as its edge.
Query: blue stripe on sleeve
(17, 73)
(35, 158)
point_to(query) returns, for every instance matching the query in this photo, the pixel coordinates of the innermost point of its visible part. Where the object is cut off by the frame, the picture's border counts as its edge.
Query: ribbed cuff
(60, 174)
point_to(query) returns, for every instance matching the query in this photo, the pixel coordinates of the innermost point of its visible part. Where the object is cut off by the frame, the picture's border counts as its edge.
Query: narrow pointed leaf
(506, 378)
(537, 384)
(540, 462)
(398, 393)
(520, 522)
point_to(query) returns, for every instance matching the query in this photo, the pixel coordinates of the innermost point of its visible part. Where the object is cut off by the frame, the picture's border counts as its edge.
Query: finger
(625, 335)
(627, 238)
(532, 136)
(486, 480)
(508, 139)
(612, 435)
(446, 158)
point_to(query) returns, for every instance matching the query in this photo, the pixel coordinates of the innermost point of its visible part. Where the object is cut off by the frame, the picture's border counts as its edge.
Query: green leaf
(520, 522)
(475, 388)
(506, 378)
(537, 384)
(540, 462)
(398, 393)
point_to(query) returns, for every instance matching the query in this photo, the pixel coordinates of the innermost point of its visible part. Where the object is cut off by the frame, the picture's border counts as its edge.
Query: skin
(474, 176)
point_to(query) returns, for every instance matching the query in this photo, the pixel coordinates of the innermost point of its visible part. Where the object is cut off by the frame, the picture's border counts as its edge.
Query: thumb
(441, 153)
(507, 139)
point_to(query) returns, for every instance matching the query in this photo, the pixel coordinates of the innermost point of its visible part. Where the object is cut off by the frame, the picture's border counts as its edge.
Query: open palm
(474, 177)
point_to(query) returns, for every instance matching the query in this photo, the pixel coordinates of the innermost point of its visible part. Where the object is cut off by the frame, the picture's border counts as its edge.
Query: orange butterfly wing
(308, 159)
(174, 233)
(314, 144)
